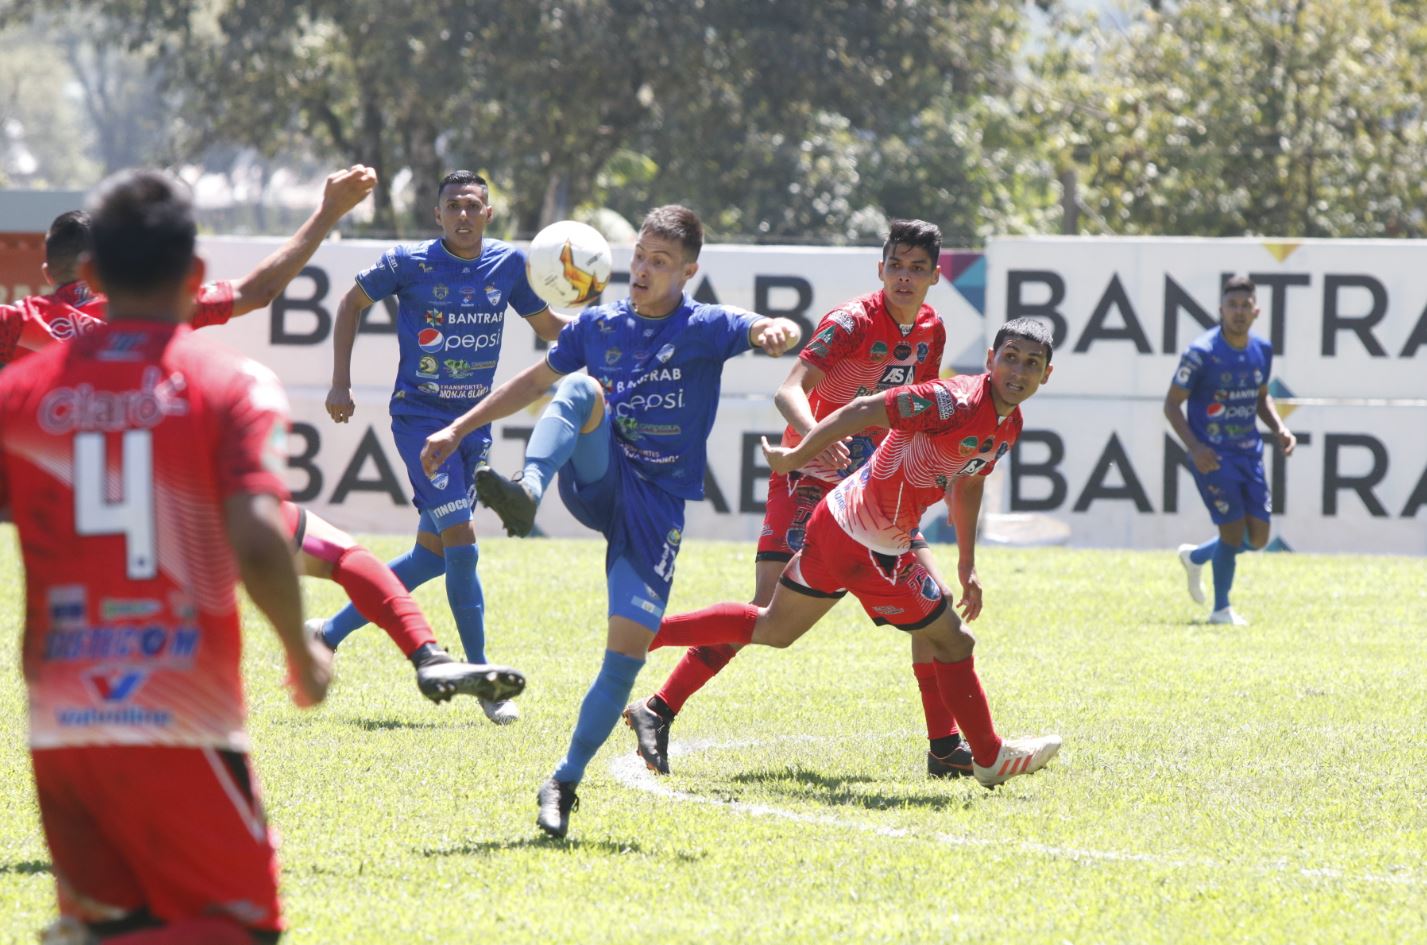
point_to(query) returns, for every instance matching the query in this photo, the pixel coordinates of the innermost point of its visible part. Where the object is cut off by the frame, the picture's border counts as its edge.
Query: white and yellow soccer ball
(568, 263)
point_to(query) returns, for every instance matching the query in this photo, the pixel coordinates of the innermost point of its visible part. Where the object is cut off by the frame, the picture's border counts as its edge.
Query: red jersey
(861, 349)
(72, 310)
(939, 430)
(117, 452)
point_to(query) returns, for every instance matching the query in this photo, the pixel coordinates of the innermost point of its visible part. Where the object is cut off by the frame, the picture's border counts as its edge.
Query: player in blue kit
(451, 294)
(1223, 377)
(629, 440)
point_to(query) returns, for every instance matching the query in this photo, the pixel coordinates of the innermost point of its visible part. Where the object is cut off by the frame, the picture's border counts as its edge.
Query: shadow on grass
(841, 791)
(391, 725)
(25, 868)
(489, 847)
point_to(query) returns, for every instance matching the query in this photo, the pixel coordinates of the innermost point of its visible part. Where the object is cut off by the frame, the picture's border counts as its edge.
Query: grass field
(1260, 784)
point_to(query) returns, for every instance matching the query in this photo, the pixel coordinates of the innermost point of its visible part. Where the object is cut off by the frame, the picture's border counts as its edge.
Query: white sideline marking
(630, 771)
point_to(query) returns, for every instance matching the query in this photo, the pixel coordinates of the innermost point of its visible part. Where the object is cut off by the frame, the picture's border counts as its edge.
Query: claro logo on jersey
(69, 409)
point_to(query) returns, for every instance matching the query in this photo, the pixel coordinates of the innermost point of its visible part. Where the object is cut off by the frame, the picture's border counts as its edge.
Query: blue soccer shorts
(448, 497)
(1236, 490)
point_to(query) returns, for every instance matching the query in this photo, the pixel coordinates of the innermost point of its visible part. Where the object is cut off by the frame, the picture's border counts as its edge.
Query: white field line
(630, 771)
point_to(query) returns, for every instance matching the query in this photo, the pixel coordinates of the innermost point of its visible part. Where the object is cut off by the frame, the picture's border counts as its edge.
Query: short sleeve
(737, 322)
(253, 417)
(1191, 366)
(839, 334)
(383, 278)
(213, 305)
(522, 297)
(929, 407)
(567, 354)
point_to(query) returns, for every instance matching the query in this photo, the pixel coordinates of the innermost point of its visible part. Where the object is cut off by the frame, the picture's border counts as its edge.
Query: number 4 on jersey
(132, 515)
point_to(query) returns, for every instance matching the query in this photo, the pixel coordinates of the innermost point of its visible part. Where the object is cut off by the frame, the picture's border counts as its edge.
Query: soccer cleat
(1018, 756)
(507, 498)
(651, 733)
(956, 763)
(1226, 615)
(316, 628)
(557, 799)
(67, 931)
(1194, 573)
(500, 711)
(440, 681)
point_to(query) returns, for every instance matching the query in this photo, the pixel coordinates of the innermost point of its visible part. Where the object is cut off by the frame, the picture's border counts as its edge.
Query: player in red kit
(885, 339)
(946, 436)
(141, 465)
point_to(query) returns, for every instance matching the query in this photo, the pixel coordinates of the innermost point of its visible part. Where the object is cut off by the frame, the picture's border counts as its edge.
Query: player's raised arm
(843, 422)
(518, 392)
(775, 335)
(340, 405)
(260, 545)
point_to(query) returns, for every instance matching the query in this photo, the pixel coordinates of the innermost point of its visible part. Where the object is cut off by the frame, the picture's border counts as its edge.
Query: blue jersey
(1223, 384)
(449, 320)
(661, 379)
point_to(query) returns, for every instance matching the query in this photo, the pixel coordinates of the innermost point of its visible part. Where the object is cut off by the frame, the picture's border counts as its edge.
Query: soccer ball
(568, 263)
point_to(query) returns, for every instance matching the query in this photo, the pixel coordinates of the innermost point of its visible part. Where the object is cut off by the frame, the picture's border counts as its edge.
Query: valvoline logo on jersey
(429, 340)
(115, 684)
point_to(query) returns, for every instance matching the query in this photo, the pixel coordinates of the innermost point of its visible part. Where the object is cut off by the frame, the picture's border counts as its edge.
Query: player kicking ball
(945, 438)
(629, 441)
(1223, 378)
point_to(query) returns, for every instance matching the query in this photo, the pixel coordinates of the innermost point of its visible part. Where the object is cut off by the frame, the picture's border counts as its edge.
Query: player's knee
(580, 390)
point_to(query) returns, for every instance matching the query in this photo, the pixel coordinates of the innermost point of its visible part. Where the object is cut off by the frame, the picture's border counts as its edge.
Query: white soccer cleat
(67, 931)
(1194, 572)
(1226, 615)
(501, 712)
(1018, 756)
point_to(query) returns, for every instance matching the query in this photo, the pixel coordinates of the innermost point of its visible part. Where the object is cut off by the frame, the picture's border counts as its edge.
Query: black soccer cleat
(439, 680)
(509, 499)
(955, 764)
(557, 799)
(651, 733)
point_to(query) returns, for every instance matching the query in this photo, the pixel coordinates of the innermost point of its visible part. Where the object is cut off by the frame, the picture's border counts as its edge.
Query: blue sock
(413, 569)
(553, 440)
(468, 605)
(1225, 558)
(599, 713)
(1204, 552)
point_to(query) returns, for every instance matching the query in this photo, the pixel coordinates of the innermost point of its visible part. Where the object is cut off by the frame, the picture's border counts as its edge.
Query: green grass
(1259, 784)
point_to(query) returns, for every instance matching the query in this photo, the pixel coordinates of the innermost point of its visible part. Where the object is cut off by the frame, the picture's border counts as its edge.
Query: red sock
(697, 667)
(962, 694)
(940, 722)
(205, 930)
(721, 623)
(379, 596)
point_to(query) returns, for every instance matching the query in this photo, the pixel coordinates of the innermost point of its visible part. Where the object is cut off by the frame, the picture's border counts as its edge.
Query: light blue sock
(599, 713)
(468, 604)
(1225, 559)
(413, 569)
(553, 440)
(1204, 552)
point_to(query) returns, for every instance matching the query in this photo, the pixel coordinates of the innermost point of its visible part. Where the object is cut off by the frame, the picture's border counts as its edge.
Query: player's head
(666, 255)
(67, 240)
(142, 234)
(463, 208)
(1019, 360)
(1238, 305)
(908, 267)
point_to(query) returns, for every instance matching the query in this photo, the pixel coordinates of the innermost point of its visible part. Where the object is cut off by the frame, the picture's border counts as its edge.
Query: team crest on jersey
(430, 340)
(923, 349)
(493, 295)
(110, 684)
(1258, 376)
(424, 267)
(909, 404)
(612, 356)
(664, 354)
(426, 367)
(902, 352)
(434, 316)
(440, 291)
(968, 446)
(468, 294)
(674, 537)
(878, 352)
(1222, 506)
(929, 589)
(441, 480)
(986, 444)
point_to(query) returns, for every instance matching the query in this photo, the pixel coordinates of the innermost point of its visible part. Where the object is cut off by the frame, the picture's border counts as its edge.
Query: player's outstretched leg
(1017, 756)
(440, 677)
(413, 569)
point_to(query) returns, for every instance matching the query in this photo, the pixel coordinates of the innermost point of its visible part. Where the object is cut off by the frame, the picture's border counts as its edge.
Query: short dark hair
(915, 233)
(142, 230)
(1239, 283)
(673, 222)
(67, 240)
(1027, 329)
(463, 179)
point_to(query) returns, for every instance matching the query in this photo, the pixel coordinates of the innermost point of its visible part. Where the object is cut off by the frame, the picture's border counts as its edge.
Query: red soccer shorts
(789, 508)
(179, 831)
(893, 590)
